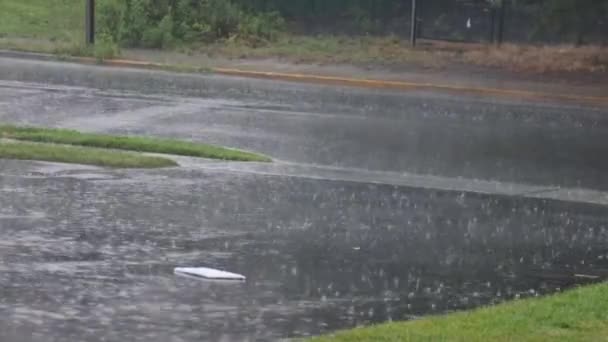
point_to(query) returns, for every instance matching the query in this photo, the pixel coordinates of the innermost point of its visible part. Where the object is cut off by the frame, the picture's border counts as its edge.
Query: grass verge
(540, 59)
(139, 144)
(395, 52)
(330, 49)
(80, 155)
(59, 21)
(576, 315)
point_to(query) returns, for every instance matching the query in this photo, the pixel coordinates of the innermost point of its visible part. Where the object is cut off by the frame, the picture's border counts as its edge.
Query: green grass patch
(130, 143)
(53, 20)
(576, 315)
(80, 155)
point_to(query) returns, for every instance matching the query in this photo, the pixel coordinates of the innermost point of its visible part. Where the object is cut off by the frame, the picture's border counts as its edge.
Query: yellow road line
(400, 85)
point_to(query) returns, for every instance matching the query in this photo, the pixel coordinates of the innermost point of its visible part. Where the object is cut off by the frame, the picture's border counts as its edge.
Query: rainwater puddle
(318, 255)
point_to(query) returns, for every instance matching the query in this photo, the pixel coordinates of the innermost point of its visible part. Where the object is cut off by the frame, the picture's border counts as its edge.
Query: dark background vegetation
(162, 23)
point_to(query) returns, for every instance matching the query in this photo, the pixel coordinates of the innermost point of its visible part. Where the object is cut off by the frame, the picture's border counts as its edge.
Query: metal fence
(483, 21)
(453, 20)
(522, 23)
(458, 21)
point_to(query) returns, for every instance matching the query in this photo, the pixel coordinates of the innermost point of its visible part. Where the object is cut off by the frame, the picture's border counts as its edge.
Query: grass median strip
(576, 315)
(80, 155)
(130, 143)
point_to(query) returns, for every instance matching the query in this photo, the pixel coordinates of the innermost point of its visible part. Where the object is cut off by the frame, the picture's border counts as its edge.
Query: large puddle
(93, 258)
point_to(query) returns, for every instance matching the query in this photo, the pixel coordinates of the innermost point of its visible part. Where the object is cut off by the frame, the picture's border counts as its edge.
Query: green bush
(135, 22)
(110, 18)
(162, 23)
(105, 47)
(260, 27)
(160, 36)
(223, 17)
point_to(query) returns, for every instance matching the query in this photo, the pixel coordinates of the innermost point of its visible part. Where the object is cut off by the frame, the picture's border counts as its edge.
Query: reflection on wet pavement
(419, 133)
(380, 206)
(86, 258)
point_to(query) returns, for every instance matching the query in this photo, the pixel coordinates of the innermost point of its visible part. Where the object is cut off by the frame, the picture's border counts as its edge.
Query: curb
(326, 80)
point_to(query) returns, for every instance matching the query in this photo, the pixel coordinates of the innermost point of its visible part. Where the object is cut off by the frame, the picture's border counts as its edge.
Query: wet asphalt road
(416, 132)
(381, 206)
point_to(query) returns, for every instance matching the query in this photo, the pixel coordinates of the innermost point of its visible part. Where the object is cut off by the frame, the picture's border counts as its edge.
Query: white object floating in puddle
(209, 274)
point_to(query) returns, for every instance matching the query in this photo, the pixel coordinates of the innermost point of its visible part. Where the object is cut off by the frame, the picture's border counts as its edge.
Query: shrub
(110, 18)
(160, 36)
(105, 47)
(257, 28)
(223, 17)
(160, 23)
(135, 22)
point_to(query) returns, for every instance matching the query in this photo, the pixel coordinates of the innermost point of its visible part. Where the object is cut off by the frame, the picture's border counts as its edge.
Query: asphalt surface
(380, 206)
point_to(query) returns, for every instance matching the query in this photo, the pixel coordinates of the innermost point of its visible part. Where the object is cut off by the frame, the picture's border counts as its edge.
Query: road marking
(402, 85)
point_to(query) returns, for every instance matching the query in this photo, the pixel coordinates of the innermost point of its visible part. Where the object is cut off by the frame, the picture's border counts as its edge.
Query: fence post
(90, 22)
(501, 22)
(492, 37)
(414, 32)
